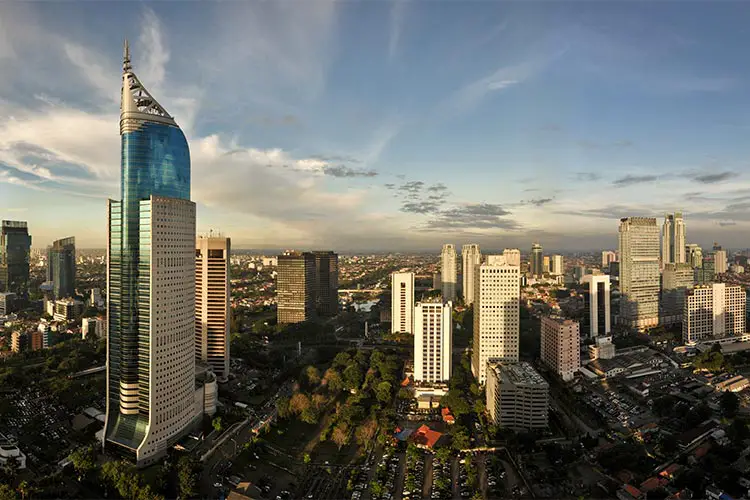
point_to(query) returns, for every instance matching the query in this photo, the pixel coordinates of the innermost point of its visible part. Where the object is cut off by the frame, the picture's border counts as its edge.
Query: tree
(319, 401)
(299, 403)
(697, 415)
(6, 492)
(455, 401)
(342, 360)
(460, 438)
(282, 406)
(383, 392)
(306, 458)
(309, 415)
(84, 461)
(187, 476)
(738, 430)
(366, 432)
(730, 404)
(340, 435)
(353, 377)
(312, 376)
(443, 454)
(216, 423)
(333, 380)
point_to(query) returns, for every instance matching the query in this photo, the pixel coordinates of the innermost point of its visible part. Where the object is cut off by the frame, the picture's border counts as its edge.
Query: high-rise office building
(448, 272)
(545, 264)
(673, 239)
(295, 287)
(676, 280)
(608, 256)
(433, 341)
(517, 396)
(150, 283)
(61, 267)
(639, 272)
(15, 252)
(713, 311)
(720, 259)
(561, 346)
(326, 283)
(706, 273)
(536, 260)
(402, 303)
(212, 297)
(512, 256)
(596, 304)
(694, 255)
(557, 267)
(472, 257)
(497, 291)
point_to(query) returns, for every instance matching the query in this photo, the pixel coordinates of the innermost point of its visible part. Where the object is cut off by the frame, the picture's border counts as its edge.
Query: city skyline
(294, 145)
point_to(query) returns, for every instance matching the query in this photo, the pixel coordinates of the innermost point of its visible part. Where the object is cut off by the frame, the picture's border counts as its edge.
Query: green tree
(84, 461)
(443, 454)
(383, 392)
(216, 423)
(306, 458)
(353, 377)
(455, 401)
(6, 492)
(334, 383)
(311, 376)
(342, 360)
(282, 405)
(729, 403)
(460, 438)
(187, 476)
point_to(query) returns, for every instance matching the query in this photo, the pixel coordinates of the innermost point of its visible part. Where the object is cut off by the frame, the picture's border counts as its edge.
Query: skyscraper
(15, 251)
(639, 272)
(557, 267)
(713, 311)
(433, 341)
(561, 346)
(608, 256)
(402, 303)
(720, 259)
(512, 256)
(327, 283)
(676, 280)
(536, 260)
(472, 257)
(673, 239)
(497, 290)
(448, 272)
(596, 304)
(295, 287)
(212, 295)
(694, 255)
(61, 267)
(150, 282)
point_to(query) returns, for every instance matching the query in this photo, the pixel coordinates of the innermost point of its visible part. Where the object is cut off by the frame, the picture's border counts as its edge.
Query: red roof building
(447, 416)
(425, 437)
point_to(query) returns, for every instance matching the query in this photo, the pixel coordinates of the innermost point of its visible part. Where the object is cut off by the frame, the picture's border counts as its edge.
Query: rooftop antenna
(126, 67)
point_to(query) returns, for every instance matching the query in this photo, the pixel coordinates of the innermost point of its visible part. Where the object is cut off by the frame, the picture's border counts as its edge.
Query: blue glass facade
(15, 251)
(155, 161)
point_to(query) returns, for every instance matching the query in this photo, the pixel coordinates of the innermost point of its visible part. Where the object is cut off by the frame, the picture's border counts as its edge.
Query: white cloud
(152, 50)
(397, 16)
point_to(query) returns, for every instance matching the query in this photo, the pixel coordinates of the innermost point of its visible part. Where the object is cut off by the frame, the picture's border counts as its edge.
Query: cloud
(155, 55)
(344, 171)
(420, 207)
(439, 187)
(714, 178)
(587, 176)
(480, 216)
(630, 180)
(397, 17)
(725, 223)
(389, 186)
(539, 201)
(412, 186)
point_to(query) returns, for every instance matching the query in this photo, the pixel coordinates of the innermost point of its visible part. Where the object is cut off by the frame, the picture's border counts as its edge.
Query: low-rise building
(67, 309)
(92, 326)
(7, 303)
(561, 346)
(602, 348)
(10, 452)
(713, 311)
(517, 396)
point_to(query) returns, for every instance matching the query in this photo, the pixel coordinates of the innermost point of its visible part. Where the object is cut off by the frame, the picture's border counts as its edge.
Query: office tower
(402, 303)
(326, 283)
(713, 311)
(693, 255)
(7, 303)
(472, 257)
(212, 296)
(68, 309)
(437, 281)
(706, 273)
(673, 239)
(557, 267)
(596, 304)
(720, 259)
(92, 326)
(639, 272)
(433, 341)
(295, 287)
(448, 272)
(561, 346)
(15, 251)
(545, 264)
(61, 267)
(536, 260)
(496, 314)
(19, 342)
(608, 256)
(517, 396)
(150, 283)
(676, 280)
(512, 256)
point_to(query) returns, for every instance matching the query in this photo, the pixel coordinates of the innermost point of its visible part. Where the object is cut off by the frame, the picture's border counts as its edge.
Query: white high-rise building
(212, 310)
(449, 272)
(713, 311)
(561, 346)
(608, 256)
(639, 272)
(512, 256)
(472, 257)
(433, 341)
(497, 291)
(402, 303)
(720, 260)
(673, 239)
(557, 265)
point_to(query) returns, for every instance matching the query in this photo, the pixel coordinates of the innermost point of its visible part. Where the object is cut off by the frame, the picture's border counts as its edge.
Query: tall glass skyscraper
(150, 282)
(61, 267)
(15, 251)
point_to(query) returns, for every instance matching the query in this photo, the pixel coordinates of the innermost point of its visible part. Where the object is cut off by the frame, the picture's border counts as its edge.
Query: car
(218, 485)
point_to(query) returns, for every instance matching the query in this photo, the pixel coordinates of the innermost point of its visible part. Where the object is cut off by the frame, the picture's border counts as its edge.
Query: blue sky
(389, 125)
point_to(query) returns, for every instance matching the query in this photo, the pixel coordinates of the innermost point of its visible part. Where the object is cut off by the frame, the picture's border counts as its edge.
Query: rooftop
(517, 373)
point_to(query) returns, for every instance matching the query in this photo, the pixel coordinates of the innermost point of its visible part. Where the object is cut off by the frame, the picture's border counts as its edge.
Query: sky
(377, 125)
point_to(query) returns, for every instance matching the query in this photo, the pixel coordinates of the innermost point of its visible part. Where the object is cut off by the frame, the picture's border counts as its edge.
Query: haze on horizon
(388, 125)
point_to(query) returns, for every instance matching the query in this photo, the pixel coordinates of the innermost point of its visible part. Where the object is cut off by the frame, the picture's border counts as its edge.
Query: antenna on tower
(126, 57)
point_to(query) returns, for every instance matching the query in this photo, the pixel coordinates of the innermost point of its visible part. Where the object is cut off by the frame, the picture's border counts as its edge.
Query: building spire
(126, 67)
